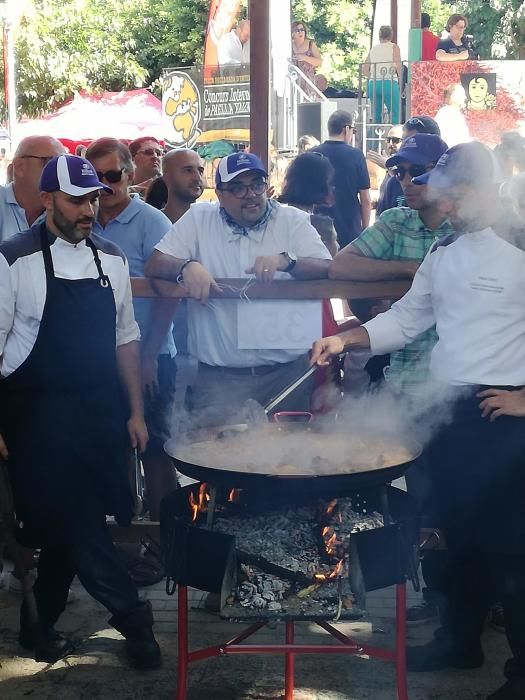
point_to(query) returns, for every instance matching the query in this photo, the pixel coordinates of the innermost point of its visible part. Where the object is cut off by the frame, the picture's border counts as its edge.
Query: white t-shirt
(23, 289)
(473, 290)
(203, 235)
(231, 50)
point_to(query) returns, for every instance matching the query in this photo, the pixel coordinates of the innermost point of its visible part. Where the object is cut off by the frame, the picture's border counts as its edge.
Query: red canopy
(122, 115)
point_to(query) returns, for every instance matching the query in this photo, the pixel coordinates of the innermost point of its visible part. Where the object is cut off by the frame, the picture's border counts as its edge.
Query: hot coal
(290, 547)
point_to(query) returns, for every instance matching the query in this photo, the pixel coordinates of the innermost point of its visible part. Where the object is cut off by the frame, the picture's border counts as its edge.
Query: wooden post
(416, 14)
(393, 19)
(259, 13)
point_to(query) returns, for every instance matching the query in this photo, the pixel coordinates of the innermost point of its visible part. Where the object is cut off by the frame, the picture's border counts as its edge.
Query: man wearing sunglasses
(136, 228)
(146, 153)
(394, 247)
(244, 350)
(20, 204)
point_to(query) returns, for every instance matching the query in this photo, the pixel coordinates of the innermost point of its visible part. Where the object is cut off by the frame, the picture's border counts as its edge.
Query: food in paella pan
(302, 453)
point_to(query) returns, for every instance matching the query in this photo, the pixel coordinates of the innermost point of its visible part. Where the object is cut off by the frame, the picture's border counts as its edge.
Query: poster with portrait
(495, 94)
(480, 91)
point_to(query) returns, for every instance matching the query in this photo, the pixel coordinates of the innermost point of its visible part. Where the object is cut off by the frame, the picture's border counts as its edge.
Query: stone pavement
(99, 671)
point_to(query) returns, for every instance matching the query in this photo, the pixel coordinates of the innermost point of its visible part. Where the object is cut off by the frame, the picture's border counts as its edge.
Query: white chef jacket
(23, 289)
(231, 50)
(203, 235)
(473, 290)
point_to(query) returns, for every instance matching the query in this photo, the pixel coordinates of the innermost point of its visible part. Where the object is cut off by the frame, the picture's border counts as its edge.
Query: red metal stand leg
(289, 680)
(401, 628)
(183, 651)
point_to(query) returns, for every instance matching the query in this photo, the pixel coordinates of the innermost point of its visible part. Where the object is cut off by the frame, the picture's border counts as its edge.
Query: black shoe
(496, 618)
(136, 626)
(48, 644)
(424, 611)
(438, 654)
(513, 689)
(143, 651)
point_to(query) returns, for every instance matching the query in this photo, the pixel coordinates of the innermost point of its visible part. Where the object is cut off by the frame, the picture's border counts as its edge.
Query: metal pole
(11, 86)
(259, 13)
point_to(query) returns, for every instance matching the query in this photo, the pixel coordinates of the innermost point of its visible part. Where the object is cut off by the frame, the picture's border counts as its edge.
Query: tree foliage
(64, 46)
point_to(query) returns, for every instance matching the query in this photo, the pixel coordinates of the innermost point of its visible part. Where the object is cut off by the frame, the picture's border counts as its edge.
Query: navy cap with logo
(70, 174)
(235, 164)
(419, 149)
(467, 163)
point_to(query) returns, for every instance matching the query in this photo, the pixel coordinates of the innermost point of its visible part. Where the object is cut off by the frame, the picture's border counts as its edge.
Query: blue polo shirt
(12, 215)
(137, 230)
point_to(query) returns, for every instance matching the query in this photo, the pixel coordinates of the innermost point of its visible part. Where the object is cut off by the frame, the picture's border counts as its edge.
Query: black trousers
(87, 551)
(478, 472)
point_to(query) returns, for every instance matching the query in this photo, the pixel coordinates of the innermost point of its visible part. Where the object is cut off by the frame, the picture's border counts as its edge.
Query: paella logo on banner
(200, 108)
(495, 99)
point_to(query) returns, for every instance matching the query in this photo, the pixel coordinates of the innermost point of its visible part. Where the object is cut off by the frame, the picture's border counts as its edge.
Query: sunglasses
(298, 30)
(400, 171)
(151, 152)
(414, 121)
(111, 175)
(393, 139)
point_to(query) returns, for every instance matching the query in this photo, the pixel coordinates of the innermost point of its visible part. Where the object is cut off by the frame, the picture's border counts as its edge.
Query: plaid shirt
(400, 234)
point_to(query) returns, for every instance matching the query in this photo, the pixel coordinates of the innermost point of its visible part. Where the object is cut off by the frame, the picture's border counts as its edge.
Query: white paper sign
(278, 325)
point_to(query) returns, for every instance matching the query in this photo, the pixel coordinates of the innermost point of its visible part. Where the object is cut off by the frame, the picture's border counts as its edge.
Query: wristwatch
(292, 261)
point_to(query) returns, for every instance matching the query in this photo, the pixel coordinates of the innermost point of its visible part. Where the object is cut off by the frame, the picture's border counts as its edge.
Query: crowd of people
(88, 373)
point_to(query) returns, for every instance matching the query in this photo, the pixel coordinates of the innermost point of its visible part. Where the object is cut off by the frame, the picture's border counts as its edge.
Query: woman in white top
(384, 70)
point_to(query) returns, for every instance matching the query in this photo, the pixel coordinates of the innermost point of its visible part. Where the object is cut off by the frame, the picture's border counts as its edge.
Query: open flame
(234, 496)
(331, 544)
(336, 571)
(199, 505)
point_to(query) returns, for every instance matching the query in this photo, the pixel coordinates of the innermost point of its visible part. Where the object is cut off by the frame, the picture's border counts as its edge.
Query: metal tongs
(255, 414)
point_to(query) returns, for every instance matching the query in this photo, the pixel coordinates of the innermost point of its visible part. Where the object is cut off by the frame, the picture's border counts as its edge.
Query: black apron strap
(46, 251)
(103, 278)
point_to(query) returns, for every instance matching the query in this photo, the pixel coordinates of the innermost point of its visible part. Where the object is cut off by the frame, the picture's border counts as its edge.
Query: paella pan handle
(277, 417)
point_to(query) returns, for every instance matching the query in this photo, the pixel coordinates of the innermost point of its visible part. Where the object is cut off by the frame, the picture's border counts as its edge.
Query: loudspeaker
(312, 119)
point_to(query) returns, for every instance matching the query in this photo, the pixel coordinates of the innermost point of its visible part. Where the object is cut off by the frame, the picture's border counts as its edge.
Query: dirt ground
(99, 671)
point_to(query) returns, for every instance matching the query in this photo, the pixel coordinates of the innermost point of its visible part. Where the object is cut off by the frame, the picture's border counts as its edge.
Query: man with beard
(71, 407)
(471, 285)
(136, 228)
(394, 247)
(393, 142)
(243, 350)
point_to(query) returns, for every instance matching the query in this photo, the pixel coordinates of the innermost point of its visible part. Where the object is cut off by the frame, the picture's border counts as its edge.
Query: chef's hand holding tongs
(325, 349)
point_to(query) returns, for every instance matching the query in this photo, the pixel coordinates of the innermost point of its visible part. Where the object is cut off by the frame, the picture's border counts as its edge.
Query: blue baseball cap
(70, 174)
(235, 164)
(419, 149)
(469, 163)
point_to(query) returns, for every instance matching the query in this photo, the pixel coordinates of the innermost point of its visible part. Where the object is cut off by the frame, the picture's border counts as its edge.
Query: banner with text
(201, 108)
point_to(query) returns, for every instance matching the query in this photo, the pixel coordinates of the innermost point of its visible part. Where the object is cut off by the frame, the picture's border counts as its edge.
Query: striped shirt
(400, 234)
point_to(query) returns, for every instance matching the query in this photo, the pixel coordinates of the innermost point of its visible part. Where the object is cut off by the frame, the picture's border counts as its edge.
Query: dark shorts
(158, 411)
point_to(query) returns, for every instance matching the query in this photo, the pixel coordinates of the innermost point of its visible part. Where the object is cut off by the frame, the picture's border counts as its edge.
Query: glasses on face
(393, 139)
(298, 30)
(43, 159)
(401, 172)
(150, 152)
(111, 175)
(240, 191)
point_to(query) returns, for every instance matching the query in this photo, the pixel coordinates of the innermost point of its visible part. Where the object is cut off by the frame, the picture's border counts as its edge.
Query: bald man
(183, 171)
(20, 203)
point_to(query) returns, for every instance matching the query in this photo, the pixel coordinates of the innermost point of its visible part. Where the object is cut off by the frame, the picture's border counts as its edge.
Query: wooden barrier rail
(280, 289)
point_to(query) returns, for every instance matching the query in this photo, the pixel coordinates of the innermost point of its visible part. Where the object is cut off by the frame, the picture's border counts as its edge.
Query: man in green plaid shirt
(395, 246)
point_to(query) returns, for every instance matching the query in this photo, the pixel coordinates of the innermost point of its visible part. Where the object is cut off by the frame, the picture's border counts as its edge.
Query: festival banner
(200, 108)
(494, 90)
(221, 18)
